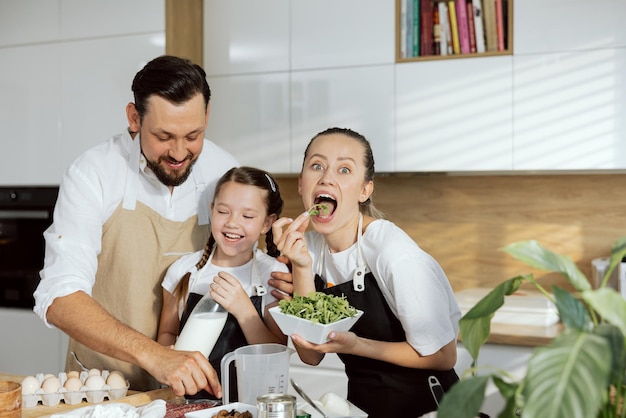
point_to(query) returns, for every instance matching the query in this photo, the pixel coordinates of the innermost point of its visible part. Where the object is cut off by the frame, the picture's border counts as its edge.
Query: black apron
(382, 389)
(230, 339)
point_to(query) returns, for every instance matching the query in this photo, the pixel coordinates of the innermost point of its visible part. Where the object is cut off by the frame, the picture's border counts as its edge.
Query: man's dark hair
(175, 79)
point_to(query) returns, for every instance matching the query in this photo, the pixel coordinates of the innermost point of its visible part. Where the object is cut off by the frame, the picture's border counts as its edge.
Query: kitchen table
(133, 398)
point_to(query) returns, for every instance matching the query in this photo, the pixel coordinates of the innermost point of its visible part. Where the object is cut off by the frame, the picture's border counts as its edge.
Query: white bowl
(311, 331)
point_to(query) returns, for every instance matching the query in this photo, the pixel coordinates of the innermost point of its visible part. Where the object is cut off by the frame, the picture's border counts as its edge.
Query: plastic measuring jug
(261, 369)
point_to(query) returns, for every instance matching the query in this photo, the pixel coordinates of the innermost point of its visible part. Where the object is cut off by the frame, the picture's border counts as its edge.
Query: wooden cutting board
(133, 398)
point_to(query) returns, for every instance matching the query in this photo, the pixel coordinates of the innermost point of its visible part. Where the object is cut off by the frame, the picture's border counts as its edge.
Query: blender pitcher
(261, 369)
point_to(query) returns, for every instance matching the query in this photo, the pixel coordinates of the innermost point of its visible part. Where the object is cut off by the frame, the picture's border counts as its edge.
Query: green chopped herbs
(319, 209)
(318, 307)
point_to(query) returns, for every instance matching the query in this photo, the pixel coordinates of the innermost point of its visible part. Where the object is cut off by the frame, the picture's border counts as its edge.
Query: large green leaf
(573, 313)
(567, 379)
(464, 398)
(616, 341)
(508, 391)
(475, 325)
(533, 254)
(618, 252)
(609, 304)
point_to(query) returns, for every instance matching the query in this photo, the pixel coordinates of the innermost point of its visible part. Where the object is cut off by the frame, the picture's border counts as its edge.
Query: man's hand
(186, 372)
(282, 281)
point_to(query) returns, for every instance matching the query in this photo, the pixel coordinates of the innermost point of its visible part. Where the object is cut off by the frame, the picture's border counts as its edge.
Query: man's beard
(169, 179)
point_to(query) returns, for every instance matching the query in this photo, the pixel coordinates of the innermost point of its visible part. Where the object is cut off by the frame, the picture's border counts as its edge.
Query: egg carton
(91, 395)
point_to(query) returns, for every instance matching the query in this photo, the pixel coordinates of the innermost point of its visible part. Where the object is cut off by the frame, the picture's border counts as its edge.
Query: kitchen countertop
(133, 398)
(524, 335)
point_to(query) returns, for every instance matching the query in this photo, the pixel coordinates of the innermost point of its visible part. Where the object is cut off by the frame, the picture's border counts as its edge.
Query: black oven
(25, 213)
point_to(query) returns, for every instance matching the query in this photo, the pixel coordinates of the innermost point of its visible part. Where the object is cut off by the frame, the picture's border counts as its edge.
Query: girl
(405, 342)
(246, 203)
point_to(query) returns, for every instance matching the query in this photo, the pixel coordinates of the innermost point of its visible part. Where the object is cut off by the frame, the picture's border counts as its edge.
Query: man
(126, 210)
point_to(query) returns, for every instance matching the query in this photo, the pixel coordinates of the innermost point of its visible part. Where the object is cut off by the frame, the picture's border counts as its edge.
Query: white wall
(65, 78)
(558, 103)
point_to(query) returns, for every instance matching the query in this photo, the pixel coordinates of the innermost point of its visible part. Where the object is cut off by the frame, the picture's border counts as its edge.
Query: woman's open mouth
(324, 206)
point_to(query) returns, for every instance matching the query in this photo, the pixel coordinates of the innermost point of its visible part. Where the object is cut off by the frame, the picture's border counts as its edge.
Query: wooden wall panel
(184, 29)
(463, 221)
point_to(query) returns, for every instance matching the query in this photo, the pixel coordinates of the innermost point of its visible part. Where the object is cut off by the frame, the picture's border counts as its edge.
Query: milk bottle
(203, 327)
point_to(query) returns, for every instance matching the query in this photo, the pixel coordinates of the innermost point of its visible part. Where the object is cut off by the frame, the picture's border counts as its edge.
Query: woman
(406, 340)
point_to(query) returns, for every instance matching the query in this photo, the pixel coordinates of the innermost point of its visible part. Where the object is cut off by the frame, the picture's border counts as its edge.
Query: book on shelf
(409, 28)
(415, 20)
(403, 28)
(489, 21)
(500, 25)
(461, 21)
(454, 29)
(477, 13)
(444, 29)
(449, 27)
(470, 25)
(436, 32)
(426, 27)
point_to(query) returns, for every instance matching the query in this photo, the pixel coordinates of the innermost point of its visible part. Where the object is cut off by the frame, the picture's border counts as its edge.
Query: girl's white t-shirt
(201, 285)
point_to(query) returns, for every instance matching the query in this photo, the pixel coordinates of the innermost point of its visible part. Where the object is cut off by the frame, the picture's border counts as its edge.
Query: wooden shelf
(398, 40)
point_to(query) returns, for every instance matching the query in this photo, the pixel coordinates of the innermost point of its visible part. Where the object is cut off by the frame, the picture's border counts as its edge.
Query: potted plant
(582, 373)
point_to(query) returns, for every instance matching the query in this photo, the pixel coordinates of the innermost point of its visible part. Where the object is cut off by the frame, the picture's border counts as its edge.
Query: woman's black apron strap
(383, 389)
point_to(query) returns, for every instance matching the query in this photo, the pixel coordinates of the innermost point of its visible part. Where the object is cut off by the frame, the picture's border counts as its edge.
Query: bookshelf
(412, 42)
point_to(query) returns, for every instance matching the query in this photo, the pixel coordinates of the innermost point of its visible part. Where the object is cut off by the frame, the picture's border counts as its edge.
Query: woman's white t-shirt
(412, 282)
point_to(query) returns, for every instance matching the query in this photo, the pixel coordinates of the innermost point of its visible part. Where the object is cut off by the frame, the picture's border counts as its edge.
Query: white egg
(29, 385)
(94, 372)
(95, 382)
(335, 404)
(116, 381)
(73, 373)
(73, 384)
(51, 384)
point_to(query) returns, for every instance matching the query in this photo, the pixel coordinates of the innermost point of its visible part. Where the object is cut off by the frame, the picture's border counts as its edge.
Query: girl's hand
(289, 239)
(228, 292)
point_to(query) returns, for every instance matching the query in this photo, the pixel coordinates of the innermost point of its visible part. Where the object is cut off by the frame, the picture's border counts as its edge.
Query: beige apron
(138, 245)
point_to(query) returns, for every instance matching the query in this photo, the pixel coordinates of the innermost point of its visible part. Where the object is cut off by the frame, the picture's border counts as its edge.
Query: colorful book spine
(489, 20)
(461, 19)
(426, 27)
(500, 25)
(456, 48)
(470, 26)
(409, 28)
(403, 28)
(416, 27)
(444, 29)
(478, 26)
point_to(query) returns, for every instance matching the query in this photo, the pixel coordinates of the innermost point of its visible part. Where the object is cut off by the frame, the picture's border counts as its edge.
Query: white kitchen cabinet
(82, 19)
(347, 33)
(347, 98)
(29, 21)
(568, 109)
(249, 117)
(27, 346)
(544, 26)
(96, 90)
(244, 37)
(30, 114)
(454, 115)
(66, 78)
